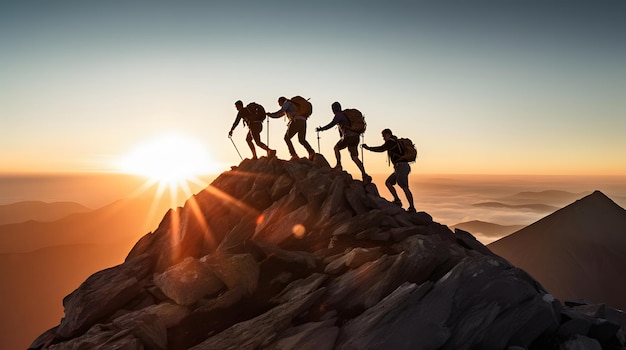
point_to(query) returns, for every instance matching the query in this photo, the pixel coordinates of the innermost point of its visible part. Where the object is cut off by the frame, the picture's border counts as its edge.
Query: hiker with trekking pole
(351, 124)
(298, 110)
(253, 115)
(401, 151)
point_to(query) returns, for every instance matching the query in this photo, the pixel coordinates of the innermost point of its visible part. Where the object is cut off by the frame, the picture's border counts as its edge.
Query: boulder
(188, 282)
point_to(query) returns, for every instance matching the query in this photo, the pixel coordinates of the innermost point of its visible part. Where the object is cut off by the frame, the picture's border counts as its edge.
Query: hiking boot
(271, 153)
(367, 179)
(337, 167)
(398, 202)
(411, 210)
(294, 157)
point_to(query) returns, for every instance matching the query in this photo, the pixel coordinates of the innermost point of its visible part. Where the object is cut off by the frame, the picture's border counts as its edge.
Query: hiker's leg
(250, 144)
(409, 197)
(337, 156)
(402, 171)
(353, 147)
(291, 130)
(256, 129)
(341, 144)
(302, 137)
(391, 180)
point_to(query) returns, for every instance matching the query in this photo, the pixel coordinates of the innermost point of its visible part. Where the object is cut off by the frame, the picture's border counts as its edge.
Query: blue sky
(513, 87)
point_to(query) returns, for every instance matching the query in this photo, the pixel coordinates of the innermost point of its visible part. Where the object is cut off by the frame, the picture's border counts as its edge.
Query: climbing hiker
(297, 110)
(253, 115)
(351, 124)
(401, 167)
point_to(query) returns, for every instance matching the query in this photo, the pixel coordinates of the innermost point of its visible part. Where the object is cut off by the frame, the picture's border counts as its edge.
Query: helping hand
(318, 129)
(365, 146)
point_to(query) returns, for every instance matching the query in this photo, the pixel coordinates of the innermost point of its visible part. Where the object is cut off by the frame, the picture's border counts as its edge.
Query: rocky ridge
(292, 255)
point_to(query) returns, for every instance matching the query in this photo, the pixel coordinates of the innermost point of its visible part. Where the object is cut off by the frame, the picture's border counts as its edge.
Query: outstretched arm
(279, 113)
(382, 148)
(333, 122)
(230, 133)
(276, 114)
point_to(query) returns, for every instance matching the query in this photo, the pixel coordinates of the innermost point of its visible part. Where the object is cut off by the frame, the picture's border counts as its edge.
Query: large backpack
(256, 112)
(303, 106)
(357, 120)
(407, 149)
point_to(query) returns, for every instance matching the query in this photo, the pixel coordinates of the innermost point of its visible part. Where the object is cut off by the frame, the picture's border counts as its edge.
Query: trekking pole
(236, 149)
(318, 142)
(268, 132)
(362, 152)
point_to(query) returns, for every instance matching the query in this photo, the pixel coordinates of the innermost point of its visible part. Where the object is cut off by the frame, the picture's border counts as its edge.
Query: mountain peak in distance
(576, 252)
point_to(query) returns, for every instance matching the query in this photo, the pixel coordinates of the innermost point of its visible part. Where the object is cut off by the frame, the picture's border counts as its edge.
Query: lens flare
(298, 230)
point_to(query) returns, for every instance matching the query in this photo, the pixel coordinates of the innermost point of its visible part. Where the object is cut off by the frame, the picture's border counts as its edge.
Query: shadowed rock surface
(578, 252)
(292, 255)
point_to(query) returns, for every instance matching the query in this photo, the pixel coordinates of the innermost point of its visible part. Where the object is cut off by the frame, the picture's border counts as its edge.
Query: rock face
(293, 255)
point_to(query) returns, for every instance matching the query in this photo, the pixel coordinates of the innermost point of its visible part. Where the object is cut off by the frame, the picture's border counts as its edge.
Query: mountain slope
(577, 252)
(292, 255)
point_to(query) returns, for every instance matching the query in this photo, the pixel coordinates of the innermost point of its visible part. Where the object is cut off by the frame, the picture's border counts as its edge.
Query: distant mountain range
(486, 228)
(578, 252)
(542, 208)
(122, 220)
(42, 262)
(38, 211)
(548, 197)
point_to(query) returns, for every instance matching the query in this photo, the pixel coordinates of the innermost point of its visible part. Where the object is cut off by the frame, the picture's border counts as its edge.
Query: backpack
(256, 112)
(303, 106)
(357, 121)
(407, 149)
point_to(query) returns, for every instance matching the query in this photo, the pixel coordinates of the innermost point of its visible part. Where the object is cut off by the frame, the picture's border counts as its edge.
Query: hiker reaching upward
(253, 115)
(297, 113)
(349, 139)
(401, 168)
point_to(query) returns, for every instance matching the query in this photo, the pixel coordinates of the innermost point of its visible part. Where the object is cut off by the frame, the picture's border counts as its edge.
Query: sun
(169, 159)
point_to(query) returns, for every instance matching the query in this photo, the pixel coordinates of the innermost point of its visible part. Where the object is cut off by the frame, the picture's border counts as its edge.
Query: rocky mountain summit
(292, 255)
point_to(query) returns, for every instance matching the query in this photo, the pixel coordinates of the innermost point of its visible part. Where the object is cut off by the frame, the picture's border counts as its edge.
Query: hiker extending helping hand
(253, 115)
(349, 139)
(297, 115)
(401, 167)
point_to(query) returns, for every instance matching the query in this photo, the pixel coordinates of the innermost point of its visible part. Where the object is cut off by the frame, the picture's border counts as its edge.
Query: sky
(481, 87)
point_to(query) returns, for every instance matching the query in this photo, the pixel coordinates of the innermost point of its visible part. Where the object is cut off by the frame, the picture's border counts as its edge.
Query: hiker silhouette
(296, 125)
(349, 138)
(253, 115)
(401, 168)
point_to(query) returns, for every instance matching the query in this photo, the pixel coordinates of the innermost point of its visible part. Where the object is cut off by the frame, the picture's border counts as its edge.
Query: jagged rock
(309, 336)
(239, 271)
(261, 330)
(300, 288)
(488, 317)
(580, 342)
(188, 282)
(353, 259)
(100, 335)
(335, 204)
(298, 257)
(292, 255)
(102, 294)
(357, 198)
